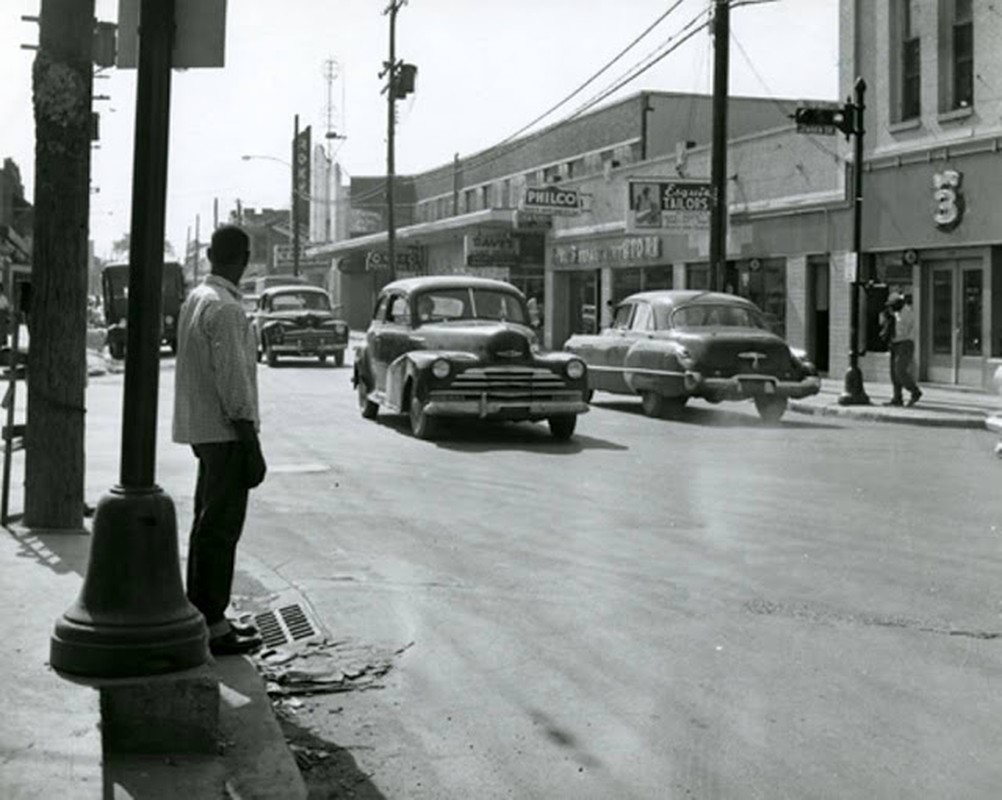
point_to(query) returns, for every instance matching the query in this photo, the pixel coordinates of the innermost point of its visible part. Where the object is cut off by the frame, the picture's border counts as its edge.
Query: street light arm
(251, 157)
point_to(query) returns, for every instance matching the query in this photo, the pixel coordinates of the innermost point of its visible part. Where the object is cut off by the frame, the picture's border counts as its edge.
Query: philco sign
(551, 200)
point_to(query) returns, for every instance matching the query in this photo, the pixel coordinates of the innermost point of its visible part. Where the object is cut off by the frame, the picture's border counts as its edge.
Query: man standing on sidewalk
(216, 412)
(903, 351)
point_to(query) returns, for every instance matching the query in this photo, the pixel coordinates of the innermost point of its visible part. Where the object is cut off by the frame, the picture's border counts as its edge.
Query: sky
(485, 71)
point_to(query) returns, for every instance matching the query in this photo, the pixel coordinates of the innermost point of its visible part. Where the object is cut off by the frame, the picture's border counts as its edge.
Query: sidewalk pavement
(50, 738)
(940, 406)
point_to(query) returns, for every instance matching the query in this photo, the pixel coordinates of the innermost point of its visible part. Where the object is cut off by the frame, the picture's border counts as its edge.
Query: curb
(994, 424)
(968, 422)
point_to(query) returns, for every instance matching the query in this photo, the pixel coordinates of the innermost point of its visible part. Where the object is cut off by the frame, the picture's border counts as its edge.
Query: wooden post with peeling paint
(57, 323)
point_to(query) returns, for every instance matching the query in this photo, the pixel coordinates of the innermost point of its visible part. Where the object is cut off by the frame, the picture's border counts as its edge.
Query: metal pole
(853, 392)
(390, 114)
(146, 248)
(295, 201)
(718, 158)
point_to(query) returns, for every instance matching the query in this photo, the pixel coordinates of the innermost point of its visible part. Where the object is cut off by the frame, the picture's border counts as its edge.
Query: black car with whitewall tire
(297, 321)
(463, 347)
(671, 345)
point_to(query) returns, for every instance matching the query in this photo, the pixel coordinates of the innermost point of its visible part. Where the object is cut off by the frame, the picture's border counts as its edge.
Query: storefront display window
(764, 283)
(697, 276)
(639, 279)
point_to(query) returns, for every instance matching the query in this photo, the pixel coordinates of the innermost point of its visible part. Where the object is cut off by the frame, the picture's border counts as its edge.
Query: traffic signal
(404, 83)
(105, 44)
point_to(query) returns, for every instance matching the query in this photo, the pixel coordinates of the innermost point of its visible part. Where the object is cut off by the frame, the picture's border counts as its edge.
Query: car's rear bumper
(487, 407)
(737, 387)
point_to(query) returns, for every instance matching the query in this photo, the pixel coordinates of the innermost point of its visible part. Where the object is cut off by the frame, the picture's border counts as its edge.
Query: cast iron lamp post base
(132, 617)
(853, 393)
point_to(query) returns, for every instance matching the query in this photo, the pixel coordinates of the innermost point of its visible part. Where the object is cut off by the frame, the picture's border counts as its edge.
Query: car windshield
(467, 303)
(300, 301)
(707, 315)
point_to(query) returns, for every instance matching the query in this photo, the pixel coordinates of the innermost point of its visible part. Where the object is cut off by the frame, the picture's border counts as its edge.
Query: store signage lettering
(551, 200)
(407, 260)
(491, 248)
(948, 199)
(636, 248)
(670, 205)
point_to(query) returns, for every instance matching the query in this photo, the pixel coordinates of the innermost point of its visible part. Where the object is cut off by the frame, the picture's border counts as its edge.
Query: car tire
(587, 395)
(672, 407)
(562, 426)
(652, 403)
(771, 409)
(339, 358)
(365, 405)
(270, 355)
(422, 425)
(322, 358)
(116, 350)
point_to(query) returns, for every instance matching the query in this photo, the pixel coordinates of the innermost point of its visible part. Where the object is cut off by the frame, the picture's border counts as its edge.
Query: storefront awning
(414, 234)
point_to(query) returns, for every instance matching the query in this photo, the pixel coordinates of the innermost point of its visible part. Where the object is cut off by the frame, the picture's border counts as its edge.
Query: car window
(399, 311)
(380, 311)
(643, 318)
(705, 315)
(300, 301)
(465, 303)
(621, 321)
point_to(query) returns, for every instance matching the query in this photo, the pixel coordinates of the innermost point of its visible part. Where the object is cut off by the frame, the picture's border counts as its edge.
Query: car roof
(677, 297)
(412, 285)
(291, 287)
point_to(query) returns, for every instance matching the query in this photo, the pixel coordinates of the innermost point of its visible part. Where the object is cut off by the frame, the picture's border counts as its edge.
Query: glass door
(954, 335)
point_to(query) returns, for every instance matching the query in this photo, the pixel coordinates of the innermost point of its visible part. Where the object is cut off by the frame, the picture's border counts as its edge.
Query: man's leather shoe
(230, 644)
(243, 628)
(916, 395)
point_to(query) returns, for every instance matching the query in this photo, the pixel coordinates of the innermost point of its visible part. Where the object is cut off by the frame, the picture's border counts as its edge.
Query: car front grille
(507, 383)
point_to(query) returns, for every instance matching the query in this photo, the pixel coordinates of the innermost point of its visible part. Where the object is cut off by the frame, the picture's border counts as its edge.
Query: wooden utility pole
(718, 154)
(62, 83)
(391, 112)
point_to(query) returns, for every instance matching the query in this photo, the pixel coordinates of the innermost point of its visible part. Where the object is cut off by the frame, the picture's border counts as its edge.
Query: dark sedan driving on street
(460, 346)
(668, 346)
(297, 321)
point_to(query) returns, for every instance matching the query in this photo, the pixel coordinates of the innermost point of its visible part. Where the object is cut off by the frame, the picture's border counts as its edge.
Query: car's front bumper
(488, 407)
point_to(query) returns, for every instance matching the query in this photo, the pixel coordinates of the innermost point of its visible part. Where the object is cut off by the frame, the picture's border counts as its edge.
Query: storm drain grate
(286, 625)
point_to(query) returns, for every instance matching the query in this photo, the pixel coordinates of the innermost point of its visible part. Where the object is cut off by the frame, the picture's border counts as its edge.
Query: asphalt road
(704, 608)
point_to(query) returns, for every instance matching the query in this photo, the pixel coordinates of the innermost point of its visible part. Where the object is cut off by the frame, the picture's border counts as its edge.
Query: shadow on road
(717, 417)
(476, 436)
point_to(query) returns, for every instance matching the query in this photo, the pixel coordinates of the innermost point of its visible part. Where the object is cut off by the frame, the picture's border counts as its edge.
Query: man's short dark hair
(229, 246)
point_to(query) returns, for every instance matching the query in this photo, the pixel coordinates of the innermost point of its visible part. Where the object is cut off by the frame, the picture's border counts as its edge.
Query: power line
(590, 80)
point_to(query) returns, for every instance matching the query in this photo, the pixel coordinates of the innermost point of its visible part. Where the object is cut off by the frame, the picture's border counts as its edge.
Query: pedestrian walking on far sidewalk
(216, 412)
(902, 347)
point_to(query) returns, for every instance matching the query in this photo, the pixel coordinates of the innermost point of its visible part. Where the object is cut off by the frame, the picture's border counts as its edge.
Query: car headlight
(685, 358)
(575, 369)
(441, 368)
(169, 319)
(276, 333)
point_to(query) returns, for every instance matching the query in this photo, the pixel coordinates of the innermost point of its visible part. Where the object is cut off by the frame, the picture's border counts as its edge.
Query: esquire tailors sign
(670, 205)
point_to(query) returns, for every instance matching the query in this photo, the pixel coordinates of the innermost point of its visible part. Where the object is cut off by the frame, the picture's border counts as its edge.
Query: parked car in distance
(293, 320)
(461, 346)
(115, 291)
(670, 345)
(249, 302)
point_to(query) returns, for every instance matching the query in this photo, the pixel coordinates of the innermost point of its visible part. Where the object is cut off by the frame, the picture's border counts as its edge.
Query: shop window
(971, 325)
(697, 276)
(764, 283)
(626, 282)
(658, 278)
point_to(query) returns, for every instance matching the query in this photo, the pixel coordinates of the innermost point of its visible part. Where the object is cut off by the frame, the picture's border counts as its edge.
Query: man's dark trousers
(220, 509)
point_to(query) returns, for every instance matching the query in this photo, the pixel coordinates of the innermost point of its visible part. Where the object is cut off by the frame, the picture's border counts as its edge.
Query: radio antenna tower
(332, 71)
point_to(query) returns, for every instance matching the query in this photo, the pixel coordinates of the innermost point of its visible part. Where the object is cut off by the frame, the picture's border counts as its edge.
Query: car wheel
(365, 405)
(339, 358)
(562, 427)
(422, 426)
(652, 403)
(173, 346)
(771, 409)
(322, 358)
(587, 395)
(672, 407)
(117, 350)
(270, 355)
